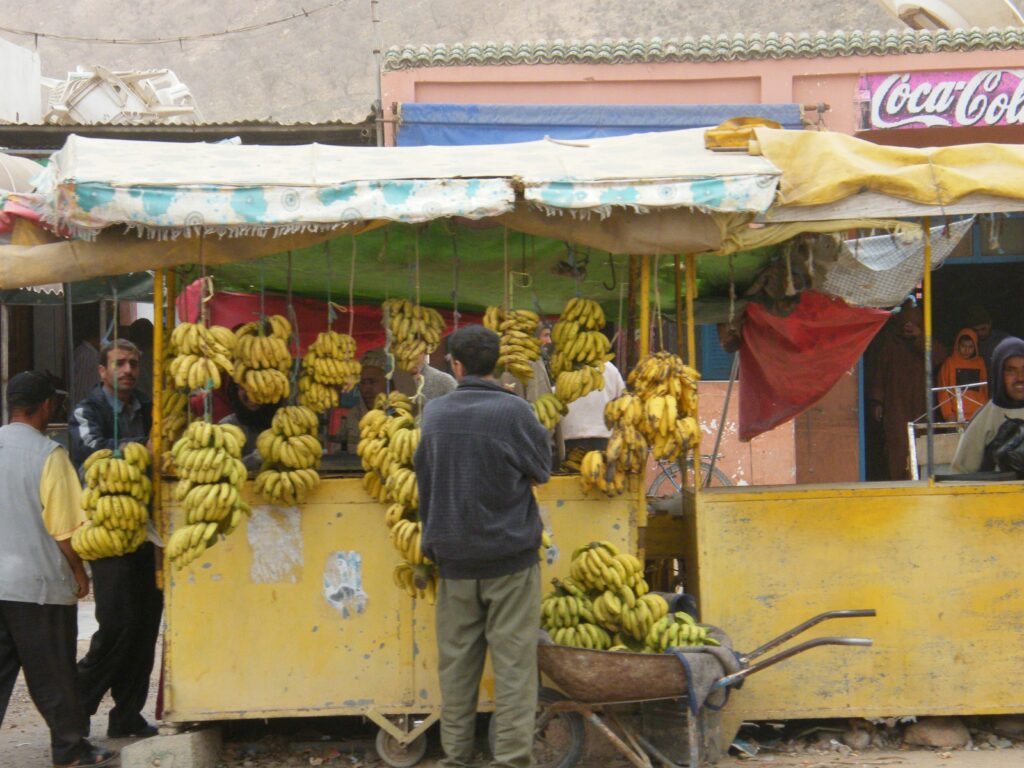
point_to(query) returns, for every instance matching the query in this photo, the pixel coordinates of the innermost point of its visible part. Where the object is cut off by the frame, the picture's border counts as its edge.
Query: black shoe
(143, 732)
(94, 756)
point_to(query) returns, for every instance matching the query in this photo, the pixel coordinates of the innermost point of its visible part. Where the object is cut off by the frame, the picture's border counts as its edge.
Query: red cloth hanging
(789, 363)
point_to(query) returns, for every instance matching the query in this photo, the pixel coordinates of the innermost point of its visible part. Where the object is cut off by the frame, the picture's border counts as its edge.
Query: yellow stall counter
(296, 614)
(943, 566)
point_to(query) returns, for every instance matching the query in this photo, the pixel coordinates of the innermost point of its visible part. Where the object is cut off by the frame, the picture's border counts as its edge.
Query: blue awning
(461, 124)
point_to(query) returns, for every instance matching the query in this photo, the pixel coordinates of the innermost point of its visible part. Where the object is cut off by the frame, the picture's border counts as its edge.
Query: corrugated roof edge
(706, 48)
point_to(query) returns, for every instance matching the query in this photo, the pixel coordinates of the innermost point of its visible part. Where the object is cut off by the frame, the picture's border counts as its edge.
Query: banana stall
(299, 609)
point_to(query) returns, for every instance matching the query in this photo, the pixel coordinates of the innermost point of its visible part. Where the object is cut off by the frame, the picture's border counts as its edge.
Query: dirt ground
(24, 743)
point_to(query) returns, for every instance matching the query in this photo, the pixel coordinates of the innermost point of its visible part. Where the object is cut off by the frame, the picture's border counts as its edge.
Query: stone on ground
(944, 732)
(193, 749)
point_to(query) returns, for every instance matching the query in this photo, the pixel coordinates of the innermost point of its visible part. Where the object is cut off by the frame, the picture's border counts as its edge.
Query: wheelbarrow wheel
(397, 755)
(559, 737)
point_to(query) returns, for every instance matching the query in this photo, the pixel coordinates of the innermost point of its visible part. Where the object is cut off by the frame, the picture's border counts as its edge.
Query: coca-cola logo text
(955, 99)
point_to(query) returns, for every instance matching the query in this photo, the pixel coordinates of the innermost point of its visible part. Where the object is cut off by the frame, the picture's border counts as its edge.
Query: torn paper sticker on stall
(343, 583)
(275, 537)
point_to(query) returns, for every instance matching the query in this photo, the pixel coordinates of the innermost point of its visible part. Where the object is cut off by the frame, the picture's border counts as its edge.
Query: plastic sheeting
(166, 189)
(461, 124)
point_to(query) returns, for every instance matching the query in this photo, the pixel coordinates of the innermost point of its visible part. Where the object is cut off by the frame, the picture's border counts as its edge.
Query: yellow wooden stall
(253, 633)
(941, 564)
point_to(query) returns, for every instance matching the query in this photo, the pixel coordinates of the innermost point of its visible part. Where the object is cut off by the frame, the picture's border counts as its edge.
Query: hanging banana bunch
(549, 410)
(519, 343)
(291, 455)
(262, 359)
(667, 387)
(388, 437)
(201, 355)
(581, 350)
(415, 331)
(116, 502)
(329, 364)
(211, 472)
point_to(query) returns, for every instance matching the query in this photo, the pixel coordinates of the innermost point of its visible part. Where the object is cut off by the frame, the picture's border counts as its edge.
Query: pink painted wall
(802, 81)
(769, 459)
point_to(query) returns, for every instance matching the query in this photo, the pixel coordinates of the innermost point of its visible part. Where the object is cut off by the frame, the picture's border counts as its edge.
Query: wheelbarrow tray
(613, 677)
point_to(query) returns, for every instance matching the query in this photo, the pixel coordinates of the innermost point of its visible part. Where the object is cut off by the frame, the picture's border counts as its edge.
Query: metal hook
(615, 276)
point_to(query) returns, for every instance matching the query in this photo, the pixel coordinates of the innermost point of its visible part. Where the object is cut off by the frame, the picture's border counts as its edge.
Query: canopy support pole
(69, 350)
(644, 300)
(156, 431)
(679, 304)
(5, 357)
(691, 358)
(927, 289)
(629, 361)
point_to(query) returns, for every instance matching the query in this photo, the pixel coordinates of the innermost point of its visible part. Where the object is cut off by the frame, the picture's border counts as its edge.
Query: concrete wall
(20, 89)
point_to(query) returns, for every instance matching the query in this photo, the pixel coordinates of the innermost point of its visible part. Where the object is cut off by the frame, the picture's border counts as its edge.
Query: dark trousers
(42, 640)
(120, 657)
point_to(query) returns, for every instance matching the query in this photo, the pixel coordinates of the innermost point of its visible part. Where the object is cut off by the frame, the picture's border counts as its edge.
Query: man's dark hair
(123, 344)
(476, 348)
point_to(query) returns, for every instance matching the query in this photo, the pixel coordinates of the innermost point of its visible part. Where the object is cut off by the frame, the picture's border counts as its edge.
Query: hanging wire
(456, 264)
(351, 290)
(416, 264)
(330, 281)
(732, 291)
(657, 302)
(117, 379)
(505, 273)
(294, 320)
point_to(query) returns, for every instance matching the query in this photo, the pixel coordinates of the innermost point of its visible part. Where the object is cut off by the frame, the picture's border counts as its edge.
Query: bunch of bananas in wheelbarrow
(605, 604)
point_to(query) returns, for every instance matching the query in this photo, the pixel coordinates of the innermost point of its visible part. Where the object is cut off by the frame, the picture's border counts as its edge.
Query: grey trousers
(501, 614)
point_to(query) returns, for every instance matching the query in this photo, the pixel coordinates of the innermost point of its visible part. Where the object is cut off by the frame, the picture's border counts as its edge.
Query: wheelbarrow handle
(734, 678)
(774, 643)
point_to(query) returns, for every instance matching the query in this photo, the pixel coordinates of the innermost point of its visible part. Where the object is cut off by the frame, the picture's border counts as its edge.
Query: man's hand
(82, 579)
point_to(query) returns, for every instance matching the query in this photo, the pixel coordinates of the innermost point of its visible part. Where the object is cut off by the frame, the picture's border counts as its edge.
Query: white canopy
(168, 188)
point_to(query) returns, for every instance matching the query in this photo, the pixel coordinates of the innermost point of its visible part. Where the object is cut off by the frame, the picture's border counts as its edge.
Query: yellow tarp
(822, 168)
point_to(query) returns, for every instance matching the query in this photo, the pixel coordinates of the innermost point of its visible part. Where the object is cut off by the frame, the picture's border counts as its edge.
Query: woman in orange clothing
(965, 366)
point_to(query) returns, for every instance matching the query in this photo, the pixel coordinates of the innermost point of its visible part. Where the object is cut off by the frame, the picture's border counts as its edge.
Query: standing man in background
(128, 603)
(41, 577)
(481, 452)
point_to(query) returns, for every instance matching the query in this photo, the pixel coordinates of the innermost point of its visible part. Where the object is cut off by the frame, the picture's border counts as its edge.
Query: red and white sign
(948, 99)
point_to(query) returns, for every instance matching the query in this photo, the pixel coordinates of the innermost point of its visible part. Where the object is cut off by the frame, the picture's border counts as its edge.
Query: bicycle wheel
(666, 482)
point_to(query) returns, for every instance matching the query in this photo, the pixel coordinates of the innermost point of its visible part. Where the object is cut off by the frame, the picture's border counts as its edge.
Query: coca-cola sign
(950, 99)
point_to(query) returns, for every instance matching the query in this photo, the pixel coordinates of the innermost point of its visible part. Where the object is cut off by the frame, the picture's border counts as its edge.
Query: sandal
(94, 756)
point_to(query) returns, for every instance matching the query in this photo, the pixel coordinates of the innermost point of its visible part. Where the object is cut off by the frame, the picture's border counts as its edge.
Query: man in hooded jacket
(1007, 387)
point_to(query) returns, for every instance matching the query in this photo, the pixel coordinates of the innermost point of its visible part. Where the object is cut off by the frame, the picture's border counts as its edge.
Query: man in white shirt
(583, 426)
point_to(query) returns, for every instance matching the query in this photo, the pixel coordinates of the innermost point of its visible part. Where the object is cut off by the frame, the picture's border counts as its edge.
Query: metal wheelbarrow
(590, 681)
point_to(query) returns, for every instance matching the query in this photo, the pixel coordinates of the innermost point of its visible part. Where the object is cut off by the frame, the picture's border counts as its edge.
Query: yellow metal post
(691, 294)
(644, 300)
(927, 290)
(691, 359)
(679, 304)
(158, 397)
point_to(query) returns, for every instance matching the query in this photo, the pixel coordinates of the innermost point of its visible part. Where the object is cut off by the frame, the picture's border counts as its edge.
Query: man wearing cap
(41, 577)
(128, 603)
